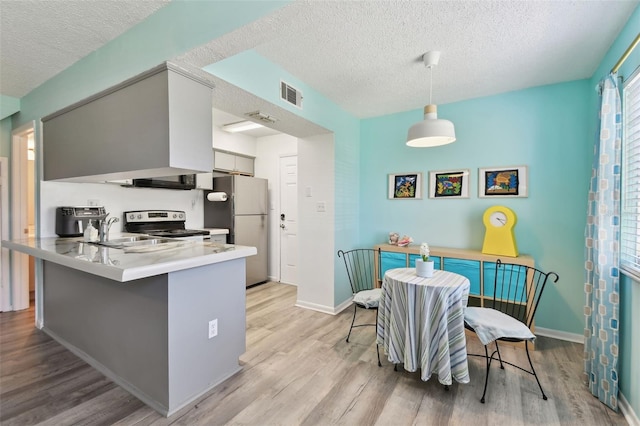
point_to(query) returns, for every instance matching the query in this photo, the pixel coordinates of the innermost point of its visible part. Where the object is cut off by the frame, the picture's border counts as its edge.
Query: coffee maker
(72, 221)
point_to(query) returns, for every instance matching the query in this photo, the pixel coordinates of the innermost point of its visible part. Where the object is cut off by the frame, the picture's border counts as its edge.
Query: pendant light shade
(431, 131)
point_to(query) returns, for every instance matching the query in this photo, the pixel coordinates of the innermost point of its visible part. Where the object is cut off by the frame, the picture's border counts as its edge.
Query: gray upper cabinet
(233, 163)
(155, 124)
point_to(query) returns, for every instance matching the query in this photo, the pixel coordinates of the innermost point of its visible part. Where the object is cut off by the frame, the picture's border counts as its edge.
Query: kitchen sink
(135, 241)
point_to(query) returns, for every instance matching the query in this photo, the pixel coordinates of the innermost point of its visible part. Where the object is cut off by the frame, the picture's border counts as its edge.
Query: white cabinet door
(224, 161)
(227, 162)
(244, 165)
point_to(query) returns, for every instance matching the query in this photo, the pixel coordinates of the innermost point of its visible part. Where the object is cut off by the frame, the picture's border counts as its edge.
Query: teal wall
(628, 367)
(5, 137)
(542, 128)
(8, 106)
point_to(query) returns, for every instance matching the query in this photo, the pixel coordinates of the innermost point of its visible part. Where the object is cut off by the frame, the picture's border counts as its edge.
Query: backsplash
(116, 200)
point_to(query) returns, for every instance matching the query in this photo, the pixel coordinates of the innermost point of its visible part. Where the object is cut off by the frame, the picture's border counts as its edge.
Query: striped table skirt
(421, 323)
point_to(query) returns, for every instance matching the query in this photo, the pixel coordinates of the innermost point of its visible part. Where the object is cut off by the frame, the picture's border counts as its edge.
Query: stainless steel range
(160, 223)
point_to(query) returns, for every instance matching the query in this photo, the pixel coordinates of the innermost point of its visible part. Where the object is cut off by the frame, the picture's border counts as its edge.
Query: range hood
(155, 124)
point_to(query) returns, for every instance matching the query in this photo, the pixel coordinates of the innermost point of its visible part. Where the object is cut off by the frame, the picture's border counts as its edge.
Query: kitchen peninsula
(143, 314)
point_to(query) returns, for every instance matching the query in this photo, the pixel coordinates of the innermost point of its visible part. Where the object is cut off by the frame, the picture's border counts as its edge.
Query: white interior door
(289, 219)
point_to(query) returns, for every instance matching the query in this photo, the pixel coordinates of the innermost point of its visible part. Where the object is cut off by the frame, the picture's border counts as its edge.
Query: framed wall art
(503, 182)
(405, 186)
(449, 184)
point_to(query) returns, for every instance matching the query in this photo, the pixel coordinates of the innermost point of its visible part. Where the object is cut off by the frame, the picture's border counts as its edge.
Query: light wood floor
(298, 370)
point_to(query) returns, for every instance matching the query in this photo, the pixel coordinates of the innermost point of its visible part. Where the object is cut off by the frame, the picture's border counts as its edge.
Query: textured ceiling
(366, 56)
(40, 38)
(362, 55)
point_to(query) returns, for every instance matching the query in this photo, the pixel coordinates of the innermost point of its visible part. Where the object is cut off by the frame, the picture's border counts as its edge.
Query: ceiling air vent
(290, 94)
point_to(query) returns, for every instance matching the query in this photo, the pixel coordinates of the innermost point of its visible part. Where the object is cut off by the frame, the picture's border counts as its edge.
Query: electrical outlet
(213, 328)
(321, 206)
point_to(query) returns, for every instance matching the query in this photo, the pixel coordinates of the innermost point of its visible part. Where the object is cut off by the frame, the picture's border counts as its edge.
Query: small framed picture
(502, 182)
(449, 183)
(405, 186)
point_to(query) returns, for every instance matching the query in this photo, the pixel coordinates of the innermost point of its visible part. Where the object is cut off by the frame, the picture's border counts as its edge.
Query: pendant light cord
(430, 83)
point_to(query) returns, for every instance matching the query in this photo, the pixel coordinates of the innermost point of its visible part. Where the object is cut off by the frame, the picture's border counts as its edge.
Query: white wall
(234, 142)
(267, 165)
(116, 200)
(316, 229)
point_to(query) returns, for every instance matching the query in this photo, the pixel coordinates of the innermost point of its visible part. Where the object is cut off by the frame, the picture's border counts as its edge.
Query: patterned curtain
(602, 258)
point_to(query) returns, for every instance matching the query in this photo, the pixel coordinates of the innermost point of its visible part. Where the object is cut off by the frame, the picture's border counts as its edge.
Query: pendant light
(431, 131)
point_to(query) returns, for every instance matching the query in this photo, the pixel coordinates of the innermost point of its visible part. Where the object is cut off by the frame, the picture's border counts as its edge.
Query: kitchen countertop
(131, 263)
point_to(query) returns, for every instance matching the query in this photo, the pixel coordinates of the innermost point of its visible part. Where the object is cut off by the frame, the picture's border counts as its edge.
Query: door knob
(282, 216)
(282, 225)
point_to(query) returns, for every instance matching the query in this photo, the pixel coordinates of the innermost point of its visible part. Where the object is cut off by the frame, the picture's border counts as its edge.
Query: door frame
(5, 287)
(19, 211)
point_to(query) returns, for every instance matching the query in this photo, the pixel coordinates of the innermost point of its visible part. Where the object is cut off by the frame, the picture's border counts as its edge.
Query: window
(630, 215)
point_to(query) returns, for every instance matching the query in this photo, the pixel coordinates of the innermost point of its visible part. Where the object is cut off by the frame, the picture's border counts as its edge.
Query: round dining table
(421, 323)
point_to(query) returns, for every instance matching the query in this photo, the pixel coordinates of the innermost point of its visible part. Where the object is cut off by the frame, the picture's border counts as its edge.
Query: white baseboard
(627, 411)
(284, 283)
(560, 335)
(324, 309)
(344, 305)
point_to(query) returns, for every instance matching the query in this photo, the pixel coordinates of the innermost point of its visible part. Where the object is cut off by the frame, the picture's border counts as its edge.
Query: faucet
(104, 226)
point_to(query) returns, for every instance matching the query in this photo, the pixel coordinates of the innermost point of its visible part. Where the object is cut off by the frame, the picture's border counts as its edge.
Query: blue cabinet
(391, 260)
(467, 268)
(413, 257)
(479, 268)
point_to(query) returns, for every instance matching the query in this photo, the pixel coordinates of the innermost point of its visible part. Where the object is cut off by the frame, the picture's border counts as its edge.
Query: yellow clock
(499, 238)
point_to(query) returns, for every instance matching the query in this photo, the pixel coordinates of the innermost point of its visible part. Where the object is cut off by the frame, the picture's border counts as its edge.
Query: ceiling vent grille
(290, 94)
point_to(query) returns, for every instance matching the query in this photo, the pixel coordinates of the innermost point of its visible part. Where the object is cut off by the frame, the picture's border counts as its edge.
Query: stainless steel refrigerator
(245, 215)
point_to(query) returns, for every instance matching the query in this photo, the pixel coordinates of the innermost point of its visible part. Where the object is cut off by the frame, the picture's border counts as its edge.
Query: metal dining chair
(508, 315)
(361, 271)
